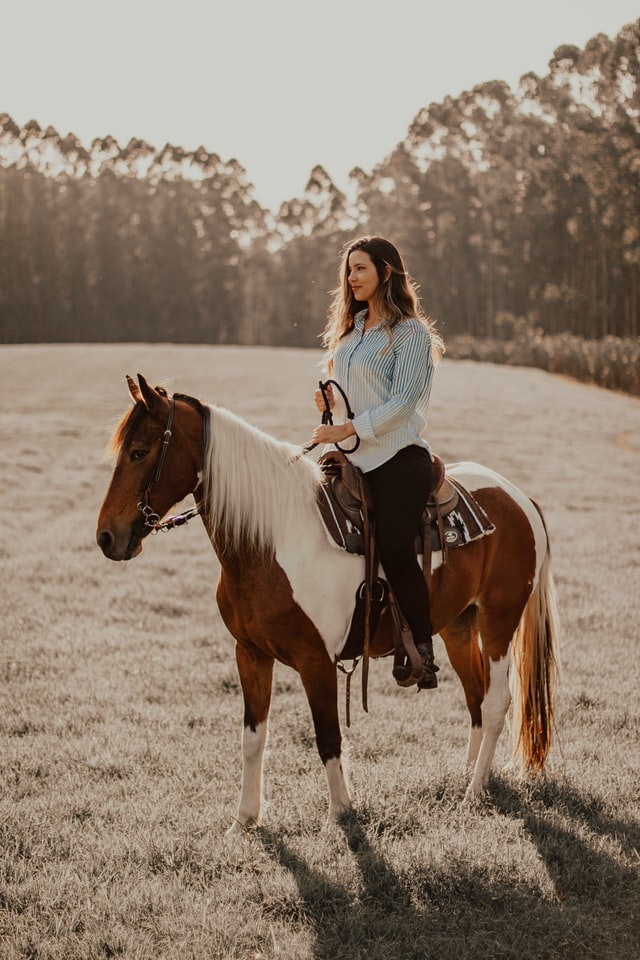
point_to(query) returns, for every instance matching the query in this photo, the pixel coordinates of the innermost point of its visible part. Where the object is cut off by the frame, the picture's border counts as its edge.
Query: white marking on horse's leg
(494, 711)
(339, 798)
(251, 795)
(473, 745)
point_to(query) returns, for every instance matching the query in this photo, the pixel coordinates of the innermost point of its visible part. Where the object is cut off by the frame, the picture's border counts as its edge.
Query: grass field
(121, 714)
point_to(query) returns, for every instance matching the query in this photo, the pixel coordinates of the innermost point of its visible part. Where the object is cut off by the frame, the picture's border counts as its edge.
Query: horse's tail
(536, 664)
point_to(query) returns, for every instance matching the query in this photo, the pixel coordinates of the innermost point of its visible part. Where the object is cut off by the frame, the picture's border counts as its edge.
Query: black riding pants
(400, 489)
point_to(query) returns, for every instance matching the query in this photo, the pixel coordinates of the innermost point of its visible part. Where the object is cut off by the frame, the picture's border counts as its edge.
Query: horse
(286, 591)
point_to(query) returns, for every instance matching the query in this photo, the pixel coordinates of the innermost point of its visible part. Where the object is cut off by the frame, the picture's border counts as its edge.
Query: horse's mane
(254, 486)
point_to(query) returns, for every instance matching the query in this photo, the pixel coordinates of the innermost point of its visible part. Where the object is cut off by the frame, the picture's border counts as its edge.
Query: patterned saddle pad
(452, 514)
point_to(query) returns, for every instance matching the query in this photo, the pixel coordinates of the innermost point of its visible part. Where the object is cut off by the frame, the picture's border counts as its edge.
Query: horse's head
(158, 448)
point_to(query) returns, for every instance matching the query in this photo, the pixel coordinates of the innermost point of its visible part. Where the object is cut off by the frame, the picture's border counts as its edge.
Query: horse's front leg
(319, 677)
(256, 673)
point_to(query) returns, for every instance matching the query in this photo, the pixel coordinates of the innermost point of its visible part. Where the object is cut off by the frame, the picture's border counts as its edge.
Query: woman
(382, 351)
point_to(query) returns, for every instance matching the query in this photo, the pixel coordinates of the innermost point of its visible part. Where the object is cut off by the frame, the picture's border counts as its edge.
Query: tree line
(515, 208)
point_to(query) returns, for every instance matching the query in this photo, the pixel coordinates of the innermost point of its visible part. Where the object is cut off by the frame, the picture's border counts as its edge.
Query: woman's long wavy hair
(395, 299)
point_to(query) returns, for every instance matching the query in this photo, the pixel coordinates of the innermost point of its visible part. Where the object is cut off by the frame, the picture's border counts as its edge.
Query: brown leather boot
(428, 681)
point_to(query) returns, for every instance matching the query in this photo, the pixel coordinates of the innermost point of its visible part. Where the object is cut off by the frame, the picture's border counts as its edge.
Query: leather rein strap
(327, 416)
(370, 574)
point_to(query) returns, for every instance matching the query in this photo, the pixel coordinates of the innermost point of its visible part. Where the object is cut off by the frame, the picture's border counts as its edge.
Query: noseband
(151, 518)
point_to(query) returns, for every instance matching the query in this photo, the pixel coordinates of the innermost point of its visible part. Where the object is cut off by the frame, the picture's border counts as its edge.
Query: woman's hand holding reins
(327, 433)
(319, 399)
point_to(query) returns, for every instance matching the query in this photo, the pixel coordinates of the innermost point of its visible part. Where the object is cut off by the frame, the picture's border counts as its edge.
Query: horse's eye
(138, 455)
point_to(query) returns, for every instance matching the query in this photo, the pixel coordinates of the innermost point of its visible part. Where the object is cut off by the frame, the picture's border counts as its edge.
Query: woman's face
(362, 275)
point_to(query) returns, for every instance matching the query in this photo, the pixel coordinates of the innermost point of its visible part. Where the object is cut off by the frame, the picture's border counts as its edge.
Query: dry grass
(121, 713)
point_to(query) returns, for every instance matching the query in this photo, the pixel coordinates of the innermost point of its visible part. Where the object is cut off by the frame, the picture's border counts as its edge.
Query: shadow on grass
(468, 910)
(581, 844)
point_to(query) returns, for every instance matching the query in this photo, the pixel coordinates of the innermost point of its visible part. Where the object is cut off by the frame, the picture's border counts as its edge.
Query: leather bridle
(151, 518)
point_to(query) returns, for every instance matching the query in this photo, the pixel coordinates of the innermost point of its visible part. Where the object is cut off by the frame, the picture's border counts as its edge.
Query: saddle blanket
(462, 522)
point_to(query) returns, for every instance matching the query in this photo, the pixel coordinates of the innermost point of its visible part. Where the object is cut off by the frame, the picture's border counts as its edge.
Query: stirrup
(427, 680)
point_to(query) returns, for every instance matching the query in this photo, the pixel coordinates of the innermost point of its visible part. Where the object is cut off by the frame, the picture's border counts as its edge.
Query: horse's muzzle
(119, 548)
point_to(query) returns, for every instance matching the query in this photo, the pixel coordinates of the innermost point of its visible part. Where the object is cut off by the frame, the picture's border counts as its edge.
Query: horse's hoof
(239, 828)
(339, 812)
(472, 795)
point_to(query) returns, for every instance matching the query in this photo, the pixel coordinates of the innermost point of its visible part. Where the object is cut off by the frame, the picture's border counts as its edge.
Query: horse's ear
(150, 397)
(134, 389)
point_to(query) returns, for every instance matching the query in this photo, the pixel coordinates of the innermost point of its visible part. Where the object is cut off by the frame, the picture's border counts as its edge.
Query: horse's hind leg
(497, 632)
(256, 672)
(461, 641)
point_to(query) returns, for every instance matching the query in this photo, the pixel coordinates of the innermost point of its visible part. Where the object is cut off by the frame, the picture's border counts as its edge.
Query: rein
(327, 417)
(151, 518)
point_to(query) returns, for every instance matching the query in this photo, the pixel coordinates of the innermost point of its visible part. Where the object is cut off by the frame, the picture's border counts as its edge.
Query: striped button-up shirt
(388, 386)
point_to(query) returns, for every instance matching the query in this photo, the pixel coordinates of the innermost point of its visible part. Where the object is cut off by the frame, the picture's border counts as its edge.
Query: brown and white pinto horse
(286, 592)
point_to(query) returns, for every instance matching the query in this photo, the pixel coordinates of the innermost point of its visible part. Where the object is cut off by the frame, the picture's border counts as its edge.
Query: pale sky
(278, 84)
